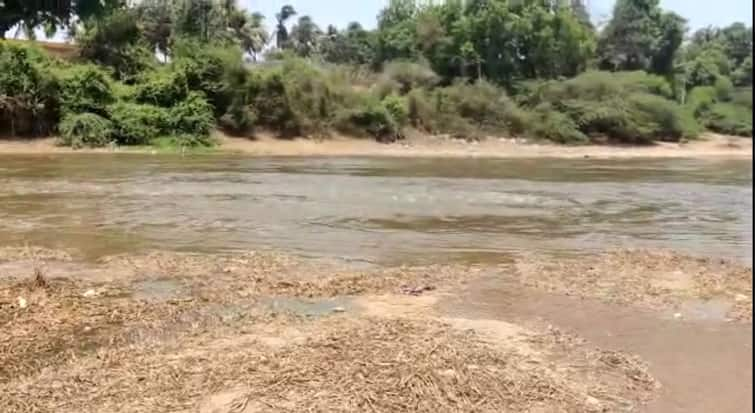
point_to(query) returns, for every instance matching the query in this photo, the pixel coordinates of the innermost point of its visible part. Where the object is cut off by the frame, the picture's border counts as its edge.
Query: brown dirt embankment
(418, 145)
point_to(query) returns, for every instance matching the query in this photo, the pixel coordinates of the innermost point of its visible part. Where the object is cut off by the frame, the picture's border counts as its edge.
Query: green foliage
(465, 68)
(729, 118)
(371, 119)
(138, 124)
(640, 36)
(652, 117)
(85, 129)
(191, 116)
(85, 88)
(29, 91)
(556, 126)
(115, 41)
(398, 108)
(700, 99)
(210, 69)
(630, 107)
(162, 87)
(30, 14)
(408, 75)
(724, 88)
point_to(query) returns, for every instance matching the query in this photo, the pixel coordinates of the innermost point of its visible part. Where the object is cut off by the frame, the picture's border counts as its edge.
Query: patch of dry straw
(656, 279)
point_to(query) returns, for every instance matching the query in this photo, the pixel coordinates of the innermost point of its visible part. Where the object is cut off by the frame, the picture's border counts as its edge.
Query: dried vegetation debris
(84, 346)
(657, 279)
(339, 364)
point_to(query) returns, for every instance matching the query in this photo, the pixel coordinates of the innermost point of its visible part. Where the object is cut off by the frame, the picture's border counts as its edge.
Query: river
(376, 210)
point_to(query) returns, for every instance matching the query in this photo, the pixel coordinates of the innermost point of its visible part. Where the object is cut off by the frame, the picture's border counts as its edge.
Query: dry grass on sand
(656, 279)
(75, 345)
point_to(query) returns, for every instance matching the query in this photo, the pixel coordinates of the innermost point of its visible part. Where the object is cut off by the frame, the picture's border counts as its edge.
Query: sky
(700, 13)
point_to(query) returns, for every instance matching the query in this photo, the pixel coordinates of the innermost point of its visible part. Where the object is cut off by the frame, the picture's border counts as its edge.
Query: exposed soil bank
(710, 145)
(271, 332)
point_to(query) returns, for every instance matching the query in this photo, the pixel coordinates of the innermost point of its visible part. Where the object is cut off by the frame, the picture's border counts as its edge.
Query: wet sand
(272, 332)
(418, 145)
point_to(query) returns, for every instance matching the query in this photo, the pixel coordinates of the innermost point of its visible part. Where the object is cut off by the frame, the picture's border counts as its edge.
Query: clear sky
(700, 13)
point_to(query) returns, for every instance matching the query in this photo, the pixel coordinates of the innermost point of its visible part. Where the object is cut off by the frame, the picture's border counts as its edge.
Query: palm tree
(305, 35)
(249, 31)
(281, 33)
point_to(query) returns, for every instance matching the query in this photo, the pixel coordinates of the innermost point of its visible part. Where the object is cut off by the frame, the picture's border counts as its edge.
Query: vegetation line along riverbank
(168, 73)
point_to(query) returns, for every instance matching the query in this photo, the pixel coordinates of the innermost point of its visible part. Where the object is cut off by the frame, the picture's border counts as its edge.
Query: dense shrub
(85, 129)
(398, 108)
(138, 124)
(466, 110)
(270, 104)
(630, 107)
(212, 69)
(29, 91)
(163, 87)
(192, 116)
(651, 117)
(729, 118)
(85, 88)
(372, 120)
(555, 126)
(406, 75)
(721, 108)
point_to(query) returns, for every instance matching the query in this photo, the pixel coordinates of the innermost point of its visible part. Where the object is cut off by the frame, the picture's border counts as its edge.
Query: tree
(281, 32)
(355, 45)
(305, 36)
(115, 41)
(51, 14)
(249, 31)
(640, 36)
(157, 24)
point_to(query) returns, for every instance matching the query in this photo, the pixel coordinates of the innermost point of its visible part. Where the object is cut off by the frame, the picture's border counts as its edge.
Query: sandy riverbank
(270, 332)
(710, 145)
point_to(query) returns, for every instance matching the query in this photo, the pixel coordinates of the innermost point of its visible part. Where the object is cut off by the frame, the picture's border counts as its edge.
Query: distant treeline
(172, 71)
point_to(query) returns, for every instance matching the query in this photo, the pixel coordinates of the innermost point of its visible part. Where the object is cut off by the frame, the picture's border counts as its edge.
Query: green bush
(371, 119)
(138, 124)
(192, 116)
(85, 129)
(213, 69)
(729, 118)
(556, 126)
(398, 108)
(700, 99)
(409, 75)
(238, 119)
(629, 107)
(163, 87)
(743, 97)
(270, 104)
(652, 117)
(85, 88)
(29, 91)
(724, 88)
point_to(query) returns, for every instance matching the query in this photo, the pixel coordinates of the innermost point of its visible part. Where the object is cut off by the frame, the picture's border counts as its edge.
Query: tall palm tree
(249, 31)
(281, 32)
(305, 36)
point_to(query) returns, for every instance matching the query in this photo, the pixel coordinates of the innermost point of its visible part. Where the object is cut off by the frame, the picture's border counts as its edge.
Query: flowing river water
(383, 211)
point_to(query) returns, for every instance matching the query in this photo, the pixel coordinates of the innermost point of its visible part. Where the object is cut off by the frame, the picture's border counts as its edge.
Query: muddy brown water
(375, 210)
(390, 211)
